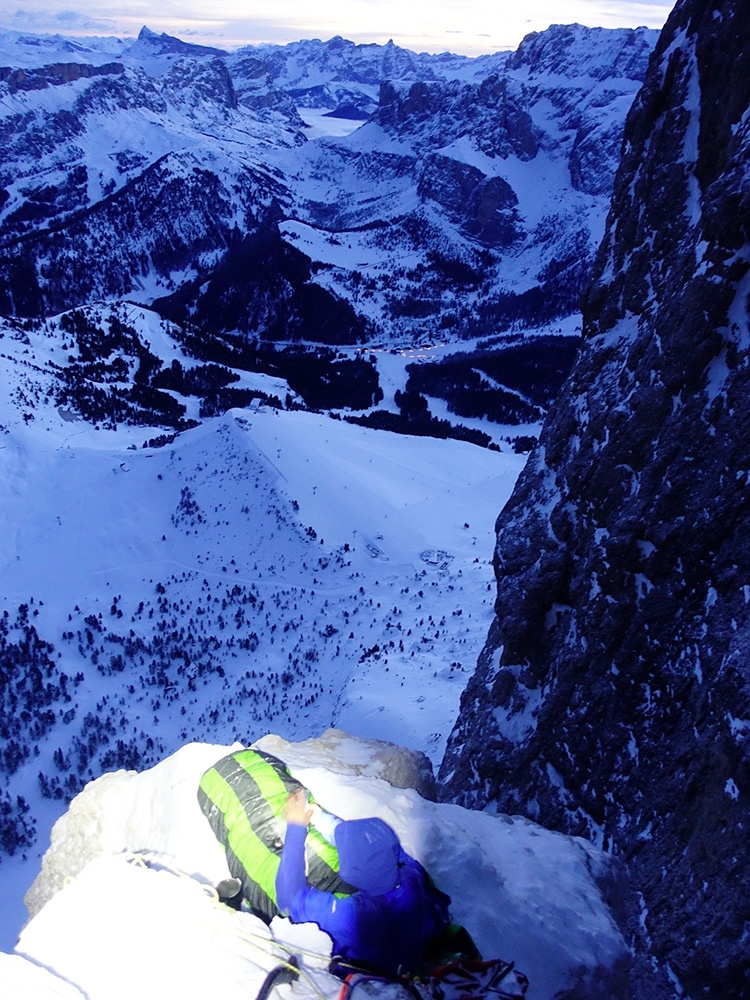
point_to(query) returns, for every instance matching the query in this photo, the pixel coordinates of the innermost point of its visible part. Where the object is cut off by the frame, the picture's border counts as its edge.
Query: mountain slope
(266, 567)
(150, 161)
(612, 695)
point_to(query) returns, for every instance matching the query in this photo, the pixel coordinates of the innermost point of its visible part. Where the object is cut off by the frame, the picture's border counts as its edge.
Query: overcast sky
(469, 26)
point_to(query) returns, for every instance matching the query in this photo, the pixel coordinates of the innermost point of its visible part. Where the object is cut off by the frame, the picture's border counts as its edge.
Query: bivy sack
(243, 797)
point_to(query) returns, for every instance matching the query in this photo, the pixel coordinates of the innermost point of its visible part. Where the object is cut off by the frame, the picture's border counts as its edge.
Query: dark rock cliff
(483, 205)
(612, 698)
(491, 109)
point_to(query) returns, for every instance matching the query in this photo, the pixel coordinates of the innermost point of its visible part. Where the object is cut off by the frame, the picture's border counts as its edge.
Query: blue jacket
(390, 931)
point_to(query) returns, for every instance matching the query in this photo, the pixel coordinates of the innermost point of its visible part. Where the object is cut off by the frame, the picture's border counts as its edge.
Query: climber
(243, 797)
(396, 912)
(350, 877)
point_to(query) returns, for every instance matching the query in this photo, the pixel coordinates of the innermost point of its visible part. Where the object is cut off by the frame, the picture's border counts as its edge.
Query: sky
(466, 26)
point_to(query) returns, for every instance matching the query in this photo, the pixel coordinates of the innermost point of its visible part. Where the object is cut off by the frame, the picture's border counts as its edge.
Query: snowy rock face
(445, 110)
(612, 697)
(345, 754)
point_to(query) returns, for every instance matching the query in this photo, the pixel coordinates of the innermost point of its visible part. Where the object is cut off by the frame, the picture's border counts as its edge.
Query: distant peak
(168, 44)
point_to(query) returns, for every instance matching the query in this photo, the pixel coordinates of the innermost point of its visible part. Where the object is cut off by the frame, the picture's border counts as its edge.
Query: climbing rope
(265, 944)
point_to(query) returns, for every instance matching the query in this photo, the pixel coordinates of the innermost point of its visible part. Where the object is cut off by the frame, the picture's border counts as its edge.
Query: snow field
(266, 570)
(322, 125)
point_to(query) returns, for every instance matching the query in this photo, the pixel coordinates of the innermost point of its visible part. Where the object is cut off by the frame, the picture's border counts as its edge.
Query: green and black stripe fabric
(243, 798)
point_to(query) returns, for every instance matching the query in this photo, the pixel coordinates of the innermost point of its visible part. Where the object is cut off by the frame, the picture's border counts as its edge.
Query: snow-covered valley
(268, 570)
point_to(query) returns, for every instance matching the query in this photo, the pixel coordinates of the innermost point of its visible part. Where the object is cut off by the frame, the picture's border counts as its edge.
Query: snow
(538, 183)
(739, 728)
(321, 123)
(135, 914)
(731, 789)
(692, 105)
(31, 50)
(23, 979)
(332, 527)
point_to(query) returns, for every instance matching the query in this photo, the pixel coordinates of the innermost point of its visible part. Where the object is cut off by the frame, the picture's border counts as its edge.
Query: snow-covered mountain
(189, 269)
(464, 213)
(473, 198)
(612, 696)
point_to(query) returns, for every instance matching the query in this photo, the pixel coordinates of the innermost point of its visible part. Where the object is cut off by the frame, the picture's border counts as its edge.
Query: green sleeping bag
(243, 798)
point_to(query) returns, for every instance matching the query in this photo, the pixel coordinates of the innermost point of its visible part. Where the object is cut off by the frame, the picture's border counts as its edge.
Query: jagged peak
(576, 50)
(170, 45)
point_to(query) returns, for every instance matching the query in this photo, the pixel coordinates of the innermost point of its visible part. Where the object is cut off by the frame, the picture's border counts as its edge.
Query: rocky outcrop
(55, 75)
(612, 698)
(191, 81)
(571, 50)
(517, 888)
(112, 813)
(438, 113)
(343, 753)
(484, 206)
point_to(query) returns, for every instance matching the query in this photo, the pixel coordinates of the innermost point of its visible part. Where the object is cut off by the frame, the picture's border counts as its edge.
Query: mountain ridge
(241, 112)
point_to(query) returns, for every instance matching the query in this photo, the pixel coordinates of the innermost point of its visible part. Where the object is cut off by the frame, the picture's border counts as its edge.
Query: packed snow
(130, 909)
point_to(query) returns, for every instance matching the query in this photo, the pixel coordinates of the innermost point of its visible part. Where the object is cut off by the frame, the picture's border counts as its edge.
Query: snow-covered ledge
(111, 927)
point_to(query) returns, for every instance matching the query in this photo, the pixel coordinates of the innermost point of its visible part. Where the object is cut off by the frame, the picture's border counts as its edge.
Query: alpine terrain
(278, 328)
(464, 210)
(612, 697)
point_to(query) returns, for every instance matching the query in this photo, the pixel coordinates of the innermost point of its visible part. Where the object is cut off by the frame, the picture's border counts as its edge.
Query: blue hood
(368, 854)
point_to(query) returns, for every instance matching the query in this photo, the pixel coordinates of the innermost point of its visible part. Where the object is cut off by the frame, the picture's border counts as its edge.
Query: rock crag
(612, 698)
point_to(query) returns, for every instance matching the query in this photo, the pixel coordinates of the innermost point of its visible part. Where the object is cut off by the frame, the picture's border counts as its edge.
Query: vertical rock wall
(612, 698)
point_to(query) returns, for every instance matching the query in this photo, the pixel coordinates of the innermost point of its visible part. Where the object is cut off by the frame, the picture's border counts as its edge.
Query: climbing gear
(229, 891)
(473, 979)
(371, 986)
(285, 972)
(460, 979)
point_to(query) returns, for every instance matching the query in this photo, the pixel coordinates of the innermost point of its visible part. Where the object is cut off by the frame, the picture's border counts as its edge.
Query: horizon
(476, 28)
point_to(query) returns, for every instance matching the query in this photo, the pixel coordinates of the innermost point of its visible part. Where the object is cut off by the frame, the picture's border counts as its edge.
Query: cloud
(628, 13)
(473, 27)
(43, 20)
